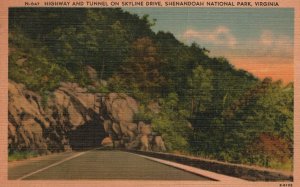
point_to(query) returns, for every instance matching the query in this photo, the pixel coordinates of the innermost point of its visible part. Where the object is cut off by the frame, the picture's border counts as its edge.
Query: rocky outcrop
(71, 117)
(118, 111)
(25, 127)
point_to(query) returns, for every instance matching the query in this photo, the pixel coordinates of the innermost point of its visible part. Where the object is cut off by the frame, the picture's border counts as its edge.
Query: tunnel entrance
(87, 136)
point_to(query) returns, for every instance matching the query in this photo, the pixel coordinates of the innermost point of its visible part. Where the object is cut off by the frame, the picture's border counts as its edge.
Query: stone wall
(234, 170)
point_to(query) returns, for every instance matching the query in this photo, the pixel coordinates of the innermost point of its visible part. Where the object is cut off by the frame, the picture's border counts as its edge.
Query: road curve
(97, 164)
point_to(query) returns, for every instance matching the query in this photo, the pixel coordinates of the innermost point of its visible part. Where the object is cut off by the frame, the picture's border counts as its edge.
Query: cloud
(268, 54)
(276, 44)
(218, 36)
(266, 38)
(221, 41)
(271, 44)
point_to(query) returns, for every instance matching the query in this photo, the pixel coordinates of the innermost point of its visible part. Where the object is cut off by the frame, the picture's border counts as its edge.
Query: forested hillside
(205, 106)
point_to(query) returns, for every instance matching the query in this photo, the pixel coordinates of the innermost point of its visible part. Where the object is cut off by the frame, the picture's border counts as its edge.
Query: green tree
(200, 88)
(142, 67)
(172, 124)
(264, 112)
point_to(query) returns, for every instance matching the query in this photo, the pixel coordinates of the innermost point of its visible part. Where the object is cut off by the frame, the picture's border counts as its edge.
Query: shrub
(21, 155)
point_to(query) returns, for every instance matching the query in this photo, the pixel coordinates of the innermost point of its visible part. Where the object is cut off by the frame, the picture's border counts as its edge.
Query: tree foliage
(200, 88)
(142, 67)
(207, 106)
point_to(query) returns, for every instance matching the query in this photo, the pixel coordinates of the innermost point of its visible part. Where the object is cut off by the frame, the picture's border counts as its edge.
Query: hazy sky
(256, 39)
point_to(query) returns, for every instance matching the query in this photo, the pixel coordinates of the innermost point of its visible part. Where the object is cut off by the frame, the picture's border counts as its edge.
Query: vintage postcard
(149, 93)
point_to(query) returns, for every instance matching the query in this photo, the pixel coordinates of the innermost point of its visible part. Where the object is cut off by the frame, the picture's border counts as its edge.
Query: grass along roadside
(22, 155)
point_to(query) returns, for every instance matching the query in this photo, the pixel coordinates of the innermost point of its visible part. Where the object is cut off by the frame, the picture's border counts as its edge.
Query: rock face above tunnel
(66, 118)
(71, 117)
(120, 107)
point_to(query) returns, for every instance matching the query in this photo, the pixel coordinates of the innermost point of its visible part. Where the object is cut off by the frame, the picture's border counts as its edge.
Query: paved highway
(97, 164)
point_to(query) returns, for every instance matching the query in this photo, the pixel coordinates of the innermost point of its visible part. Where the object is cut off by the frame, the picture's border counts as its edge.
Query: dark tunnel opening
(87, 136)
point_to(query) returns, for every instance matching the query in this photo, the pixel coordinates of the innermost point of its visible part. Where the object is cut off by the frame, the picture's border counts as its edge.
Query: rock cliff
(73, 118)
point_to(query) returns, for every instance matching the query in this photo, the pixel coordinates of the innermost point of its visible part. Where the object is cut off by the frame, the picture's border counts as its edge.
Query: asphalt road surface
(98, 165)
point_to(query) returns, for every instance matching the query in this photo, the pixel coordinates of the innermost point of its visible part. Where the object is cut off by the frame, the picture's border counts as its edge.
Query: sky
(259, 40)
